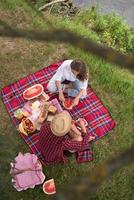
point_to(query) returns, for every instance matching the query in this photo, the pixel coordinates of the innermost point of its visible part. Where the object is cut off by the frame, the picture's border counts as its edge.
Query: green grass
(115, 87)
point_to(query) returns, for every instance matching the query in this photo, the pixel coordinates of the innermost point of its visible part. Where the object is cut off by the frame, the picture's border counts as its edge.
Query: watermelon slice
(85, 122)
(33, 92)
(49, 187)
(68, 103)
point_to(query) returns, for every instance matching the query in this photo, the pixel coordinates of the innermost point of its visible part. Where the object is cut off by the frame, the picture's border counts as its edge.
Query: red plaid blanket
(91, 108)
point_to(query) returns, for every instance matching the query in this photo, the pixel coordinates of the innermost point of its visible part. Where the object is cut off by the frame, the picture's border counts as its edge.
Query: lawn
(115, 87)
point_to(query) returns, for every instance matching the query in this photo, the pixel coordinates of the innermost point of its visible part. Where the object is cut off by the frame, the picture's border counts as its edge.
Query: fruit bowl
(68, 103)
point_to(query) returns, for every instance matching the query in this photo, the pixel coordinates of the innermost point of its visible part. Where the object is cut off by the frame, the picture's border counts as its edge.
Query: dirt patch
(20, 57)
(16, 18)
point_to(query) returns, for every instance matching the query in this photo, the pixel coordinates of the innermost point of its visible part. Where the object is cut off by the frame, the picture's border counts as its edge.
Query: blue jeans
(72, 92)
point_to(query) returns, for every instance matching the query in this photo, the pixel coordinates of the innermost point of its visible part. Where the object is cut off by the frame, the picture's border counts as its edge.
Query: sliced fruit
(49, 187)
(85, 122)
(68, 103)
(33, 92)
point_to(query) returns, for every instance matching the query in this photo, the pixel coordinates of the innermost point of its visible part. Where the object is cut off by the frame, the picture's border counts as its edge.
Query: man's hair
(79, 66)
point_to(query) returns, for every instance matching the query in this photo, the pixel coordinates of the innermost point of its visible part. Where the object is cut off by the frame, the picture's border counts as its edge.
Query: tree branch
(51, 3)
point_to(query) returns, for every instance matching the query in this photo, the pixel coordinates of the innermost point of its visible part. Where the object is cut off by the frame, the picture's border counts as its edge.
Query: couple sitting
(60, 135)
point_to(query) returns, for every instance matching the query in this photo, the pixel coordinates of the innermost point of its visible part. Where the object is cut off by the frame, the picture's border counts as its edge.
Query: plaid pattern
(52, 147)
(91, 108)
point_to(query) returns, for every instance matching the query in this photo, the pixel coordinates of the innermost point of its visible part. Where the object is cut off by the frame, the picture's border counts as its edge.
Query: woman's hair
(79, 66)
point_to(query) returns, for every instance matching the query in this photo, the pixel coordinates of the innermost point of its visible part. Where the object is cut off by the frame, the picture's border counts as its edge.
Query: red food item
(85, 122)
(33, 92)
(68, 103)
(28, 126)
(49, 187)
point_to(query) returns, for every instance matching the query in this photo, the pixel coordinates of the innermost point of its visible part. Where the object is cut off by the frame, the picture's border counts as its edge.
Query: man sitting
(53, 142)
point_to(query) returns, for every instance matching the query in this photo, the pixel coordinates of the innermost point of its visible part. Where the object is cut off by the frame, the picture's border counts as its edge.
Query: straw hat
(61, 123)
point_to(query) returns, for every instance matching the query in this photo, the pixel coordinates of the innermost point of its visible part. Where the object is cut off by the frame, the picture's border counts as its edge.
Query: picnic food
(25, 113)
(85, 122)
(68, 103)
(44, 96)
(18, 114)
(52, 109)
(22, 130)
(35, 105)
(33, 92)
(27, 126)
(44, 112)
(49, 187)
(27, 107)
(50, 117)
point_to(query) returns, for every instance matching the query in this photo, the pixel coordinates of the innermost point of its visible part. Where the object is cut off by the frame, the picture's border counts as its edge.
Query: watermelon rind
(34, 96)
(45, 183)
(68, 108)
(84, 120)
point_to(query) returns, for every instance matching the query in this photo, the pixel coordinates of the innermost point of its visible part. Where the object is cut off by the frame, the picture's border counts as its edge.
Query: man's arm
(69, 144)
(82, 125)
(75, 130)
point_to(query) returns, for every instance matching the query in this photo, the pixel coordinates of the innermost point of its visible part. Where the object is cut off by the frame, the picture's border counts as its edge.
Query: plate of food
(27, 126)
(68, 103)
(49, 187)
(33, 92)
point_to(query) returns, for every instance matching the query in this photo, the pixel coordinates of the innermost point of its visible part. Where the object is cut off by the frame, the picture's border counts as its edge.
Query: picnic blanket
(91, 108)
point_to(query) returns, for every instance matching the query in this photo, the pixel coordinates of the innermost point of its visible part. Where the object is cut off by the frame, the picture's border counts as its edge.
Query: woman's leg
(51, 86)
(73, 92)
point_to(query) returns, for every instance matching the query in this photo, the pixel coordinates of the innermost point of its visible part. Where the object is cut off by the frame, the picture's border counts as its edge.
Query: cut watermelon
(49, 187)
(68, 103)
(33, 92)
(85, 122)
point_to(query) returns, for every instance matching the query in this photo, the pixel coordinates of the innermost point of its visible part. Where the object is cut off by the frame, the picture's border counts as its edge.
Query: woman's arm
(77, 98)
(59, 87)
(82, 91)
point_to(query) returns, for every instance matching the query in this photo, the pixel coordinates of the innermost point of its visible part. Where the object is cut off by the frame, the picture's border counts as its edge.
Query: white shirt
(64, 72)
